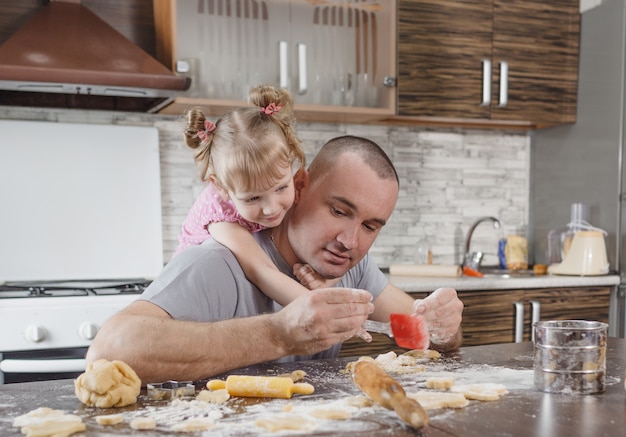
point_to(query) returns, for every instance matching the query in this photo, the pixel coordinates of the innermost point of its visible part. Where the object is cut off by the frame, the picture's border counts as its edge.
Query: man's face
(339, 215)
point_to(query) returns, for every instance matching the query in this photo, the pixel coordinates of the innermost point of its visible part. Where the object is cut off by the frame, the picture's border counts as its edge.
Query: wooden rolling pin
(380, 387)
(261, 386)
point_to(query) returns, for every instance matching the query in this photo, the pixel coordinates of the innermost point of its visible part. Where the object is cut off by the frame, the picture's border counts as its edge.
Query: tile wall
(448, 179)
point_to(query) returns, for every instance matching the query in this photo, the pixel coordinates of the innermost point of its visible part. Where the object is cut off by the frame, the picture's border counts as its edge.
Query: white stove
(89, 203)
(46, 332)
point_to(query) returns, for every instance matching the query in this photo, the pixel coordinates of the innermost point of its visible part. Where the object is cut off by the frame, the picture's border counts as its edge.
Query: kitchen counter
(522, 411)
(428, 284)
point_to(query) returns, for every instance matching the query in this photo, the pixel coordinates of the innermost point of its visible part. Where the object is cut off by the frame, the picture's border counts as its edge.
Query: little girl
(248, 157)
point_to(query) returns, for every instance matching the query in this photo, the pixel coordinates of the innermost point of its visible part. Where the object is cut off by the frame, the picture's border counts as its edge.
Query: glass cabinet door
(326, 52)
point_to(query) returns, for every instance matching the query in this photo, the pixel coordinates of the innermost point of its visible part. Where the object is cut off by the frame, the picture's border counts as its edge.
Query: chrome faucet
(474, 259)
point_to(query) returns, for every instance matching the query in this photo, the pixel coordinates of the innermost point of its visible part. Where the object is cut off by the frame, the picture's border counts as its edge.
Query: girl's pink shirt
(209, 207)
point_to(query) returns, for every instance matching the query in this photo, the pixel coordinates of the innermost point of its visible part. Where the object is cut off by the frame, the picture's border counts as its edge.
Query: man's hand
(320, 319)
(442, 310)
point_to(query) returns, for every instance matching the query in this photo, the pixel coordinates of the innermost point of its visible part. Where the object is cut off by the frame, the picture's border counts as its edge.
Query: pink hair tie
(271, 108)
(209, 127)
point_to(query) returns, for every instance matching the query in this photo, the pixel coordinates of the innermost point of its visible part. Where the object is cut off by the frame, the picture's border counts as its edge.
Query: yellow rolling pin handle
(216, 384)
(261, 386)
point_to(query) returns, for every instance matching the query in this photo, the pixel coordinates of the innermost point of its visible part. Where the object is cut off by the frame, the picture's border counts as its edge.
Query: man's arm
(160, 348)
(442, 310)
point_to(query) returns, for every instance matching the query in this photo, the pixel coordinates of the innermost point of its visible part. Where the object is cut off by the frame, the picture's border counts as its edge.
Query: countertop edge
(465, 283)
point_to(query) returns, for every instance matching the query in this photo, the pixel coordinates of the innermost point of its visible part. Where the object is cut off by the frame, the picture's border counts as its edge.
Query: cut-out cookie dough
(107, 384)
(486, 391)
(296, 375)
(143, 423)
(330, 414)
(285, 423)
(408, 362)
(109, 419)
(440, 382)
(213, 396)
(428, 354)
(359, 401)
(432, 400)
(197, 424)
(46, 422)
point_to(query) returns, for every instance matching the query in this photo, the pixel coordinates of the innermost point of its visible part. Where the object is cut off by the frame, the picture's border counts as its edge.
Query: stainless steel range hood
(67, 57)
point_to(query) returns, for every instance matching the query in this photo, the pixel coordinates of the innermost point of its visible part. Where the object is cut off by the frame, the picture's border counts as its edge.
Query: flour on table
(349, 412)
(512, 379)
(166, 416)
(285, 422)
(189, 425)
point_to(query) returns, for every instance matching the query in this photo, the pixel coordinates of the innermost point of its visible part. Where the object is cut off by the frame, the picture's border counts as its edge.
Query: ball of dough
(107, 384)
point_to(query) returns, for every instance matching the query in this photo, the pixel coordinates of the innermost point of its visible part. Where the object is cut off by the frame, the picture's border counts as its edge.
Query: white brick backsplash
(448, 179)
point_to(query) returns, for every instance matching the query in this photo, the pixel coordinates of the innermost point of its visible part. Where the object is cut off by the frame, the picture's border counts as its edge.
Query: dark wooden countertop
(523, 411)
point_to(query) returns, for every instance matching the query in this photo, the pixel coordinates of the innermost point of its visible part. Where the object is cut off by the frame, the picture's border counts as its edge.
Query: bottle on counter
(516, 252)
(560, 240)
(502, 253)
(423, 253)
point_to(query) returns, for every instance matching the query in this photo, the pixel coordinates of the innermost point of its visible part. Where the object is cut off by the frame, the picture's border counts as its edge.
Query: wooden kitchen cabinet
(334, 56)
(492, 316)
(509, 61)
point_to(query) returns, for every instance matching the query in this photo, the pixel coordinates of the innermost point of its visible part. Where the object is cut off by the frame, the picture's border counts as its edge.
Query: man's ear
(300, 180)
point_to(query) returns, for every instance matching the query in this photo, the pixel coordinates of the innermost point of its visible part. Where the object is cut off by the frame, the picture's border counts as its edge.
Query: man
(202, 317)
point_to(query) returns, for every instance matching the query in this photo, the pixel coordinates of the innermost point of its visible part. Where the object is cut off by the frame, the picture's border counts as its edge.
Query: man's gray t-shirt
(205, 283)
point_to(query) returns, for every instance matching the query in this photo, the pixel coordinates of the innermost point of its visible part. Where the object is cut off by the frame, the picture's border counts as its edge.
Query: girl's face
(268, 207)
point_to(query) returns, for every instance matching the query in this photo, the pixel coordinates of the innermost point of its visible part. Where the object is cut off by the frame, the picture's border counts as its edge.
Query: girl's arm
(255, 263)
(260, 269)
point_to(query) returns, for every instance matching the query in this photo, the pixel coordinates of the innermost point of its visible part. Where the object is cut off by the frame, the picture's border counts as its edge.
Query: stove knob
(88, 330)
(35, 333)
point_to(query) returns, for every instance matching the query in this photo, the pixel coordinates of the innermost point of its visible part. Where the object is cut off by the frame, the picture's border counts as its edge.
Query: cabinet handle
(519, 322)
(486, 83)
(283, 66)
(302, 80)
(504, 84)
(391, 82)
(536, 315)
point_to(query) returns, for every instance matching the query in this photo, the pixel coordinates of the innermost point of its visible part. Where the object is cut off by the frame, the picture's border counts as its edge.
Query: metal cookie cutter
(168, 390)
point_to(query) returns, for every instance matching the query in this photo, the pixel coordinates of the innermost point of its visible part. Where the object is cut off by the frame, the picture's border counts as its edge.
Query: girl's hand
(310, 278)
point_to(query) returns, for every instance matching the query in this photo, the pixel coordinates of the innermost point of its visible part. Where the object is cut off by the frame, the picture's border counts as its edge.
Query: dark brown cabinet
(513, 61)
(506, 316)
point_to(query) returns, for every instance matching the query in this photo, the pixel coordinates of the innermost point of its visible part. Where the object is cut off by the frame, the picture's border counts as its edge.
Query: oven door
(41, 365)
(47, 337)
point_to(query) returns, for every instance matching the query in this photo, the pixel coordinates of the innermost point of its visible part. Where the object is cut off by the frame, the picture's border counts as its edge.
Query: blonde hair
(248, 147)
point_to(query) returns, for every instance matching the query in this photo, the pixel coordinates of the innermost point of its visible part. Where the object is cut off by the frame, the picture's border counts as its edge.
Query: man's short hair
(370, 152)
